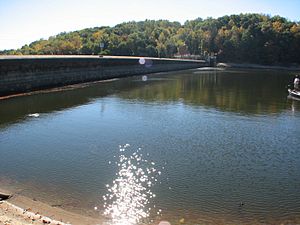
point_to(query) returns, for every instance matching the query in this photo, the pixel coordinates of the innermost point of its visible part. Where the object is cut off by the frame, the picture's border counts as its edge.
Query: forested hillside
(251, 38)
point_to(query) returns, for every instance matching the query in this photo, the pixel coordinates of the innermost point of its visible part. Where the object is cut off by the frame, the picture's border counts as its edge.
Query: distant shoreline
(257, 66)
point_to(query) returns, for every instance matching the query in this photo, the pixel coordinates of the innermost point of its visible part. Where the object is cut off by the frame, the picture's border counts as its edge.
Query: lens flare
(142, 61)
(128, 199)
(144, 78)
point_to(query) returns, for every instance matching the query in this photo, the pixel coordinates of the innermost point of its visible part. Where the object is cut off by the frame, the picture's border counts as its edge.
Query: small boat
(294, 93)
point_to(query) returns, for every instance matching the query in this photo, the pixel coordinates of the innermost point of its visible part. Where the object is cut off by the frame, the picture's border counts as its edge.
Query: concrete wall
(29, 73)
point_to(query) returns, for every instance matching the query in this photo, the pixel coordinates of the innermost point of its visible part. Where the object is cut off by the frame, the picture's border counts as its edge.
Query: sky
(25, 21)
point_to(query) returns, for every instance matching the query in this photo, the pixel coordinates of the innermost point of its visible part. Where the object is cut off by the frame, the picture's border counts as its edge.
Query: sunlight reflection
(129, 195)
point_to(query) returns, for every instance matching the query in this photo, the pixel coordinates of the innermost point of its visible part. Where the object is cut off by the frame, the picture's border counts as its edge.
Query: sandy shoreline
(21, 210)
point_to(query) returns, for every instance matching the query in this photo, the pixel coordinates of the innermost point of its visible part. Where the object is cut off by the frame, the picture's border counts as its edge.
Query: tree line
(247, 38)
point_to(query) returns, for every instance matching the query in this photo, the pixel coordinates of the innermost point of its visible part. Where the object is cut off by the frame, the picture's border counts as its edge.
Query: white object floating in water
(34, 115)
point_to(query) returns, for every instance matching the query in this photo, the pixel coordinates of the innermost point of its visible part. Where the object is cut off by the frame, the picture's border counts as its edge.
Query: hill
(247, 38)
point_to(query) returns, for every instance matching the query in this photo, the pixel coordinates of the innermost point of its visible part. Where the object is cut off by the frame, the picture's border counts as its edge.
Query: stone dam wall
(29, 73)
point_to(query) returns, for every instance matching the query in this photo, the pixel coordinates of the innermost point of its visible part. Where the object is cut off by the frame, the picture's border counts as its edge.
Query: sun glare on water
(129, 197)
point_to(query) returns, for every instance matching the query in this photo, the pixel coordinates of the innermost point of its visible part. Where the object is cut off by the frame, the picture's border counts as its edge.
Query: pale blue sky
(24, 21)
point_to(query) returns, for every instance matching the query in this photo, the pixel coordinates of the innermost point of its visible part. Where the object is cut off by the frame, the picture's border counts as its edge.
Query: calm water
(226, 142)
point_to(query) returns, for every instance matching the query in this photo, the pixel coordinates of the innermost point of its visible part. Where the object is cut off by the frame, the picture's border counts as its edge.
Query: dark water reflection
(224, 137)
(254, 92)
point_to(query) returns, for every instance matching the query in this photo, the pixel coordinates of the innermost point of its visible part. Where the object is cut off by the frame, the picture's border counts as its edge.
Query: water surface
(228, 142)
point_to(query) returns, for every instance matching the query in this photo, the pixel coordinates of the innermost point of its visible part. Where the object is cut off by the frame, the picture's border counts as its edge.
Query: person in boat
(297, 83)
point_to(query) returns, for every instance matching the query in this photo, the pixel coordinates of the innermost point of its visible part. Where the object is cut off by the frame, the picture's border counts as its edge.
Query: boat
(294, 93)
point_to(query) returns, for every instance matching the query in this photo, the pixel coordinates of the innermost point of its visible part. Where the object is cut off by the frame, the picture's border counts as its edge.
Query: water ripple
(129, 196)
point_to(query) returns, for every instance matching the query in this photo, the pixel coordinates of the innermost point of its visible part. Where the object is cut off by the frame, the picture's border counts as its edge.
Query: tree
(254, 38)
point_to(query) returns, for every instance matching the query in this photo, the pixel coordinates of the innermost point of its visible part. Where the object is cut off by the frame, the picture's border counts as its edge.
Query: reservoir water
(225, 144)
